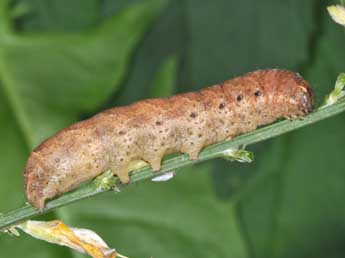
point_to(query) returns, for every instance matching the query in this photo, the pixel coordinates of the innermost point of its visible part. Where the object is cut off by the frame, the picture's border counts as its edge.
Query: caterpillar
(149, 129)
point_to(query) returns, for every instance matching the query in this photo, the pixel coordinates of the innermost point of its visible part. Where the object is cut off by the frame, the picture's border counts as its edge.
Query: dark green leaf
(46, 81)
(305, 217)
(165, 81)
(165, 39)
(58, 15)
(60, 73)
(178, 218)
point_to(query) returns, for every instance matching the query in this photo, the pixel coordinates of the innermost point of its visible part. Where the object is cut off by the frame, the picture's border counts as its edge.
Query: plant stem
(214, 151)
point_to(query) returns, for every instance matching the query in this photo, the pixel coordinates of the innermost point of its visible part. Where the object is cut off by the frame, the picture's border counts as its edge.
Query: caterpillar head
(291, 93)
(304, 94)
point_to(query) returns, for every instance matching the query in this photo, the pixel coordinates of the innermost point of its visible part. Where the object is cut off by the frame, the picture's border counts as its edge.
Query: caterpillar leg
(123, 175)
(154, 158)
(194, 153)
(294, 117)
(155, 164)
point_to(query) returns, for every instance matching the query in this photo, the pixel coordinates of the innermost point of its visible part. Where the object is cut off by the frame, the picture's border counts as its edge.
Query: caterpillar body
(149, 129)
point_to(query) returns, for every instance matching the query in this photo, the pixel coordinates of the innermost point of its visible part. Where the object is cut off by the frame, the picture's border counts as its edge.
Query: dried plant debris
(56, 232)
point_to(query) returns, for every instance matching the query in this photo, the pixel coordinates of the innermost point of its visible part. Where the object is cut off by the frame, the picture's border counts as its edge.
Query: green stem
(215, 151)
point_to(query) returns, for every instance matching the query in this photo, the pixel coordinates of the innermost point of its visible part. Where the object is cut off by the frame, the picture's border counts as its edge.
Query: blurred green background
(62, 61)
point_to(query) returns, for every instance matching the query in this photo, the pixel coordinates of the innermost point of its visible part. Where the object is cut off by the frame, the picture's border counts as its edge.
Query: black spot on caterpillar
(147, 130)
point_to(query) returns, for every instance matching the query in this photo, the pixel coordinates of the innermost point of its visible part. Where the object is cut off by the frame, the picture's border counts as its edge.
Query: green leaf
(285, 204)
(109, 7)
(313, 183)
(237, 38)
(58, 15)
(164, 40)
(13, 153)
(298, 211)
(12, 145)
(26, 246)
(60, 73)
(258, 201)
(165, 81)
(228, 38)
(47, 80)
(164, 219)
(229, 179)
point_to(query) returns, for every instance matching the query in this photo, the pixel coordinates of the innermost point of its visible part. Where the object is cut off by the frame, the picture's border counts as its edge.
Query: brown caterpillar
(149, 129)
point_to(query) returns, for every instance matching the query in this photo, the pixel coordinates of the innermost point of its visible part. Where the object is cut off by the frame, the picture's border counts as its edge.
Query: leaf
(229, 38)
(258, 201)
(12, 145)
(46, 81)
(58, 15)
(297, 211)
(109, 7)
(165, 82)
(164, 219)
(249, 46)
(26, 246)
(286, 204)
(163, 41)
(229, 179)
(13, 153)
(43, 99)
(319, 165)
